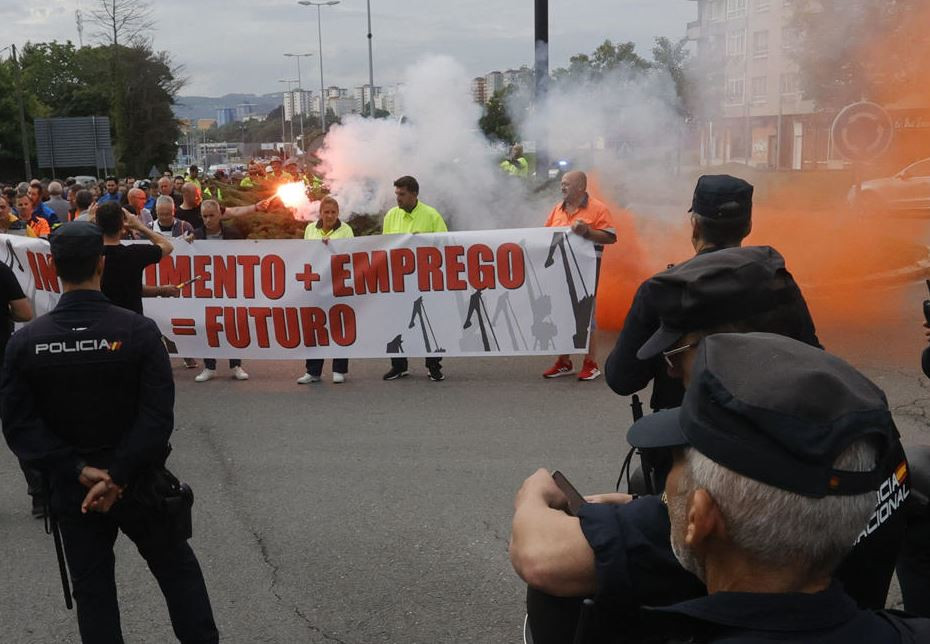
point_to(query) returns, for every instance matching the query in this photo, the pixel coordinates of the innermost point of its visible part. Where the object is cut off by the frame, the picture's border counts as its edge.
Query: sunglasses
(674, 352)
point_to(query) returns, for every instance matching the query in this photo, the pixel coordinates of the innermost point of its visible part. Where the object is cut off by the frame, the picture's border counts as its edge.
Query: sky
(236, 46)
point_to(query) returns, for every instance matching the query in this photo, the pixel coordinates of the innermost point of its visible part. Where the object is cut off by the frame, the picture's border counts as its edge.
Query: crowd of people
(772, 500)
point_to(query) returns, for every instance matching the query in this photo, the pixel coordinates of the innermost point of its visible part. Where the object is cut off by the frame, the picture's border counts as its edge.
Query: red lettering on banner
(314, 322)
(403, 263)
(150, 275)
(511, 266)
(429, 268)
(371, 276)
(273, 277)
(44, 272)
(212, 316)
(201, 264)
(286, 327)
(236, 320)
(224, 276)
(261, 315)
(174, 269)
(341, 275)
(342, 325)
(248, 263)
(480, 274)
(455, 268)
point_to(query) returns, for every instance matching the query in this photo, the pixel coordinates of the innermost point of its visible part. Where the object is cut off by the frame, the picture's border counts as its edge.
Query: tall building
(244, 110)
(479, 90)
(522, 78)
(362, 95)
(296, 102)
(493, 82)
(747, 48)
(225, 115)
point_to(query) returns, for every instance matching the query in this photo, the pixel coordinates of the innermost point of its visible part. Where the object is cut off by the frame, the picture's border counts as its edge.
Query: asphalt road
(380, 512)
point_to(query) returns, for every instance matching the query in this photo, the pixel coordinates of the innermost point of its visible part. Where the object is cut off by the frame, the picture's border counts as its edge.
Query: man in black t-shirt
(15, 307)
(189, 210)
(122, 271)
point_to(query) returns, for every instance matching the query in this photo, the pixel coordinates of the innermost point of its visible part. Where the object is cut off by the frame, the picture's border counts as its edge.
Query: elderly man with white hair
(58, 204)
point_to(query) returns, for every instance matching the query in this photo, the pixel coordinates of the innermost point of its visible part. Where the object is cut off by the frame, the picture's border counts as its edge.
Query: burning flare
(294, 196)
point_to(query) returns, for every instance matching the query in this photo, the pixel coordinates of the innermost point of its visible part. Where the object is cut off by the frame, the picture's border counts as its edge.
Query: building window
(717, 10)
(759, 89)
(789, 38)
(736, 43)
(736, 8)
(760, 44)
(735, 89)
(763, 5)
(790, 83)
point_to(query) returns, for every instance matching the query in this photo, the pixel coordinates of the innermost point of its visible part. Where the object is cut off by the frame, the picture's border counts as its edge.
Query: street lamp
(319, 27)
(303, 143)
(283, 119)
(371, 70)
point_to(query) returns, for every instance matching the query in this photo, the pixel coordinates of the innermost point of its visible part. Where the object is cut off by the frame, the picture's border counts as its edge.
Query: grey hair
(781, 528)
(54, 188)
(164, 200)
(211, 203)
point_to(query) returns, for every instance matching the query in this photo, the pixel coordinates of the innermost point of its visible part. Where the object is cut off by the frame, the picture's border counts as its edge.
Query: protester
(166, 189)
(193, 176)
(84, 206)
(214, 230)
(122, 273)
(58, 205)
(137, 199)
(779, 448)
(38, 225)
(516, 164)
(39, 207)
(277, 176)
(166, 223)
(112, 191)
(591, 220)
(189, 209)
(412, 216)
(10, 224)
(104, 442)
(327, 227)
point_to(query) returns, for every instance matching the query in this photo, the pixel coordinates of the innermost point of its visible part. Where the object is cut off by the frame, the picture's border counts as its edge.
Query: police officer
(102, 440)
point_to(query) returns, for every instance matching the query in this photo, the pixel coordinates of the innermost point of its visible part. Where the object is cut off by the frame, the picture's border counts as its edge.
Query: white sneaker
(338, 378)
(239, 373)
(206, 374)
(306, 379)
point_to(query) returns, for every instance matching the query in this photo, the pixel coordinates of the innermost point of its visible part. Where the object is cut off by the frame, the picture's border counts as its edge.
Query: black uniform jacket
(88, 383)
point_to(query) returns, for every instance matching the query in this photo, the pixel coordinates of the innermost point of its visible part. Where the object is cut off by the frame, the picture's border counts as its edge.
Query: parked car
(906, 191)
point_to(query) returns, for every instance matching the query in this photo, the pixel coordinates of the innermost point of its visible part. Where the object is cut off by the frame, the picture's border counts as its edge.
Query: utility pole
(22, 113)
(541, 42)
(371, 71)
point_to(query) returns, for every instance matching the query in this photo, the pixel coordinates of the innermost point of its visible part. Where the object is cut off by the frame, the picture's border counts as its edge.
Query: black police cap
(777, 411)
(727, 285)
(76, 240)
(720, 196)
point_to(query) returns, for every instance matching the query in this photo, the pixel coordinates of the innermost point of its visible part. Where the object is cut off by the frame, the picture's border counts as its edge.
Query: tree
(672, 58)
(122, 21)
(496, 122)
(850, 50)
(607, 58)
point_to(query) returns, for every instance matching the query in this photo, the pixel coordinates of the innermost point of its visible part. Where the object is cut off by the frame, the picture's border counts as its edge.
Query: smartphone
(575, 500)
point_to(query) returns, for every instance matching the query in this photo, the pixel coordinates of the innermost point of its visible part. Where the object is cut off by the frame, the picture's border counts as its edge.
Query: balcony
(694, 30)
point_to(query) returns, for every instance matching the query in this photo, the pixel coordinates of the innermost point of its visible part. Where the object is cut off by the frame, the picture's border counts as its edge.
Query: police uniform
(115, 412)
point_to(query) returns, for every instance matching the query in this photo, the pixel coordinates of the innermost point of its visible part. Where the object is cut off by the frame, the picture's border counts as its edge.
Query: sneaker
(239, 373)
(338, 378)
(396, 373)
(559, 369)
(435, 374)
(306, 379)
(589, 371)
(206, 374)
(190, 363)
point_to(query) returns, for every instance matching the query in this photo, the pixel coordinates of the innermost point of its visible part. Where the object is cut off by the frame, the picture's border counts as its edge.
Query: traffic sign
(862, 131)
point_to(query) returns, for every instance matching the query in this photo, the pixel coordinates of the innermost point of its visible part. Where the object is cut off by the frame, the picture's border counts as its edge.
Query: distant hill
(204, 107)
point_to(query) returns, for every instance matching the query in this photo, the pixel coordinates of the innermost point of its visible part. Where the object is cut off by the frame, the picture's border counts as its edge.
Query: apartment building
(748, 49)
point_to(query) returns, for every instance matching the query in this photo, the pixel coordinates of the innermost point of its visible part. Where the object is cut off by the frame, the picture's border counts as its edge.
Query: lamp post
(371, 70)
(319, 28)
(283, 116)
(303, 143)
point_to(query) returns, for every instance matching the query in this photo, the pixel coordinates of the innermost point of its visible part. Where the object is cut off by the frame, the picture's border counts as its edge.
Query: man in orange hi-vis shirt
(591, 220)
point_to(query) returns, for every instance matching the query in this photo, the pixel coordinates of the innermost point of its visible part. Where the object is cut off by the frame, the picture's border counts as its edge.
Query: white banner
(498, 292)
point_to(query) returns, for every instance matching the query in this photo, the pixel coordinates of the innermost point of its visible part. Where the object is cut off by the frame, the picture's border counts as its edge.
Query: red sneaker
(560, 368)
(589, 371)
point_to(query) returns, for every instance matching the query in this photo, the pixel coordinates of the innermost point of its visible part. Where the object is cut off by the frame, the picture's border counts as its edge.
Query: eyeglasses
(674, 352)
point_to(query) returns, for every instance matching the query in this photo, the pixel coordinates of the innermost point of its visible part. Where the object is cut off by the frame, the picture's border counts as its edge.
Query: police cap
(780, 412)
(76, 240)
(720, 196)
